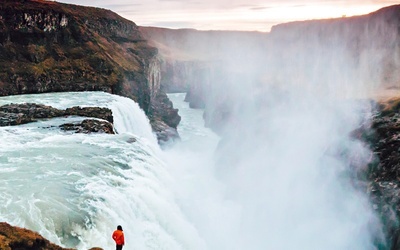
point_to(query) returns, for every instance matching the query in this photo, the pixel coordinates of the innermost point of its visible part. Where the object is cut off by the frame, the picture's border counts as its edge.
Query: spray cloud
(286, 173)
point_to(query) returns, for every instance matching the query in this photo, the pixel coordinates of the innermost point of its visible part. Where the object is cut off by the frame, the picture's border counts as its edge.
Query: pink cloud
(231, 14)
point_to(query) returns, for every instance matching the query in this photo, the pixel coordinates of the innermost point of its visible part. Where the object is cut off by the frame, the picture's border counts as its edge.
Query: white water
(277, 194)
(282, 179)
(74, 189)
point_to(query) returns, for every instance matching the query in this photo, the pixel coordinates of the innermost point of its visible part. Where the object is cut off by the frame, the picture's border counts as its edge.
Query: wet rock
(164, 133)
(101, 113)
(131, 140)
(17, 114)
(32, 110)
(164, 119)
(10, 119)
(384, 170)
(89, 126)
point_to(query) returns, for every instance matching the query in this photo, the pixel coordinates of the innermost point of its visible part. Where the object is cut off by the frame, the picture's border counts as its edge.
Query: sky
(259, 15)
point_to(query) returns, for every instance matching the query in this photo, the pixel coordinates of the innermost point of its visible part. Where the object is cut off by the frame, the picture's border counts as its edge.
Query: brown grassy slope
(16, 238)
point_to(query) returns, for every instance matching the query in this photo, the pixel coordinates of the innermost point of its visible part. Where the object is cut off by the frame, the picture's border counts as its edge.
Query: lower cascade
(75, 188)
(283, 184)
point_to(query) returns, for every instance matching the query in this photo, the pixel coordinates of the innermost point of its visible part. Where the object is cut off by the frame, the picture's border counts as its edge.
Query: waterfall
(74, 189)
(128, 117)
(136, 123)
(282, 183)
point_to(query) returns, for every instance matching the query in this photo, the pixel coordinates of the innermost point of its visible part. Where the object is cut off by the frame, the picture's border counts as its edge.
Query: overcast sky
(231, 14)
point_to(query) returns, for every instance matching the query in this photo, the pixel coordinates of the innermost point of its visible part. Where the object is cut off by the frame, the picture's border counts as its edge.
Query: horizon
(239, 15)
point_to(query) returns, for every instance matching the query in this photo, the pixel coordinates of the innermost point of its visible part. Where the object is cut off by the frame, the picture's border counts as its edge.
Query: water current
(285, 193)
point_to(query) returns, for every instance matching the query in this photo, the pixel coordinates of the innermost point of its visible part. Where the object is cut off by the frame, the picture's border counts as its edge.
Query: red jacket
(118, 236)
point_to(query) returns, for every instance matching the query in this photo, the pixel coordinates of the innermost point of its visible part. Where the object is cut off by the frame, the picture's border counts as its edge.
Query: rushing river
(74, 189)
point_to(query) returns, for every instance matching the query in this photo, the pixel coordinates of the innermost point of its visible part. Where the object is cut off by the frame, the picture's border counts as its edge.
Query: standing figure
(118, 237)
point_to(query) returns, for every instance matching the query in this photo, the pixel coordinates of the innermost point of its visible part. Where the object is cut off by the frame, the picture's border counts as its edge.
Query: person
(118, 237)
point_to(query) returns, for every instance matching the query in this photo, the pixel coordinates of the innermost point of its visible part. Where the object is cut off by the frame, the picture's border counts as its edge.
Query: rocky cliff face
(384, 170)
(186, 55)
(369, 44)
(47, 46)
(355, 51)
(365, 49)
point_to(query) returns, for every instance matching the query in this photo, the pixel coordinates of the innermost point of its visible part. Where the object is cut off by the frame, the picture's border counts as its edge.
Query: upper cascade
(48, 46)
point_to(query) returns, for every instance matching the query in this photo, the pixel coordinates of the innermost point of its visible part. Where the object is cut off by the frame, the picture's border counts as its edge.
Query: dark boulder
(88, 126)
(11, 119)
(33, 110)
(101, 113)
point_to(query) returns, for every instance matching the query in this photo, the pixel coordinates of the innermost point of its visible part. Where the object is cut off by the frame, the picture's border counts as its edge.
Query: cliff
(370, 43)
(361, 52)
(47, 46)
(187, 54)
(365, 49)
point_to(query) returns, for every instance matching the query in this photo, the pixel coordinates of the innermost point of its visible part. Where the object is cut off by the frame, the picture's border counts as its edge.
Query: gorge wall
(188, 54)
(47, 46)
(200, 62)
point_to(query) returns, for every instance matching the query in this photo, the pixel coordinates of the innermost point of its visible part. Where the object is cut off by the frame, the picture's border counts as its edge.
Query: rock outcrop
(17, 114)
(46, 46)
(88, 126)
(97, 112)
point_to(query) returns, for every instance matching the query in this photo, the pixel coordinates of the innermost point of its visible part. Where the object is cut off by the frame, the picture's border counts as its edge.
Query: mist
(287, 172)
